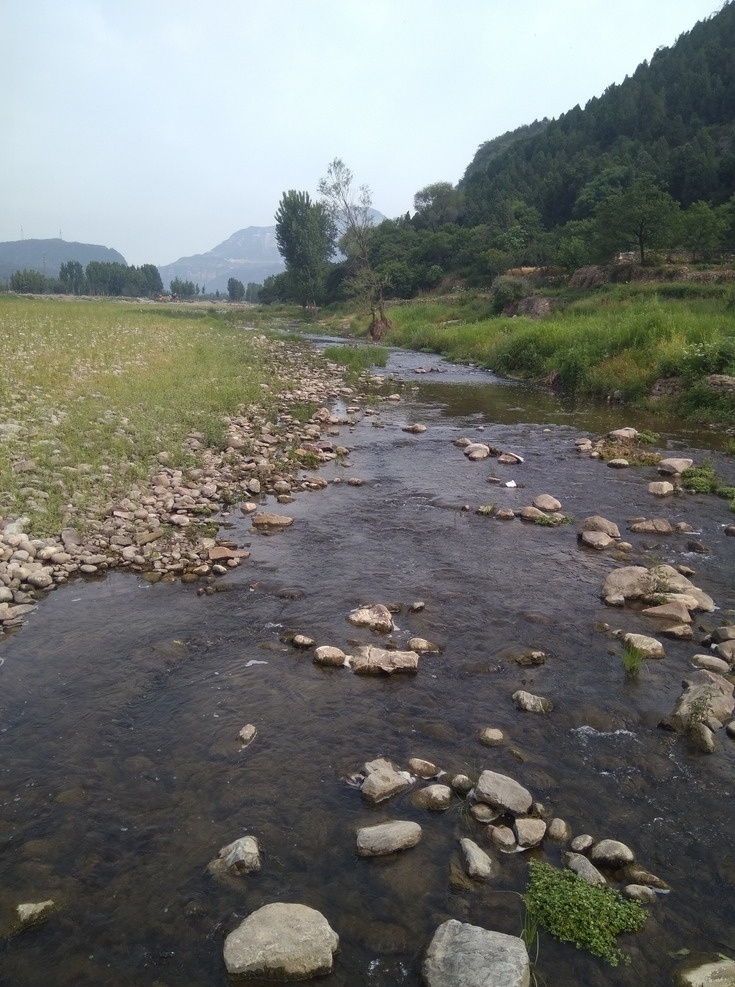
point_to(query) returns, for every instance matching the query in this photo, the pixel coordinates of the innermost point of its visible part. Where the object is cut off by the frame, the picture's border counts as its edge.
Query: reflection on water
(120, 703)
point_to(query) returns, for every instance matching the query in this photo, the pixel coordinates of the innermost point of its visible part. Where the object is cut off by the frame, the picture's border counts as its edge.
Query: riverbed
(121, 775)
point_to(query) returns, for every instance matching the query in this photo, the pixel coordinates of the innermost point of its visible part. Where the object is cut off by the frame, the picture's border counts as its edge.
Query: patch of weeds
(590, 916)
(632, 451)
(486, 510)
(633, 659)
(704, 479)
(553, 520)
(648, 438)
(699, 709)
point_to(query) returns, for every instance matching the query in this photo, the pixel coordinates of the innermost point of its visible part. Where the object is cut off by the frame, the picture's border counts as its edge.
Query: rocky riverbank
(165, 528)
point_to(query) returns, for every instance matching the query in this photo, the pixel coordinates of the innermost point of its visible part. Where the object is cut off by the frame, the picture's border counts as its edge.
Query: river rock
(584, 868)
(547, 503)
(661, 488)
(714, 973)
(597, 523)
(675, 610)
(386, 838)
(31, 913)
(726, 651)
(420, 644)
(239, 857)
(329, 656)
(582, 843)
(705, 694)
(265, 519)
(369, 660)
(651, 585)
(625, 434)
(478, 864)
(711, 663)
(490, 736)
(484, 814)
(502, 792)
(635, 874)
(477, 451)
(417, 428)
(505, 514)
(437, 798)
(247, 734)
(383, 780)
(702, 737)
(510, 459)
(530, 513)
(652, 526)
(618, 463)
(503, 837)
(462, 955)
(673, 466)
(598, 540)
(611, 853)
(648, 646)
(529, 831)
(639, 892)
(421, 768)
(377, 618)
(532, 704)
(724, 633)
(559, 830)
(281, 942)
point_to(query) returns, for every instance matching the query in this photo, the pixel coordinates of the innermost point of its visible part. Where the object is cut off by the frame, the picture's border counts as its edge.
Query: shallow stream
(120, 703)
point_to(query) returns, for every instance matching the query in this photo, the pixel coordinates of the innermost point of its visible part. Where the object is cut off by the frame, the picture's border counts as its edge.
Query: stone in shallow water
(462, 955)
(281, 942)
(387, 838)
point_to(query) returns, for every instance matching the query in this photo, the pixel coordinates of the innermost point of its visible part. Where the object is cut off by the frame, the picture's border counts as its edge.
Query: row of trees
(98, 278)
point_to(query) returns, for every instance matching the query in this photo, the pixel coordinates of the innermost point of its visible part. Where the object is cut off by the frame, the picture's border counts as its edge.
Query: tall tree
(644, 216)
(71, 275)
(305, 234)
(351, 212)
(235, 290)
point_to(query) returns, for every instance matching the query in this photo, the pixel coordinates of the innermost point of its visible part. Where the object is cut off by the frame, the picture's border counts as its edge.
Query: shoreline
(164, 528)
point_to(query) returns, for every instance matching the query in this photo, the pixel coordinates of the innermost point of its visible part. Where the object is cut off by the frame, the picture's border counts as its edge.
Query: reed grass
(92, 391)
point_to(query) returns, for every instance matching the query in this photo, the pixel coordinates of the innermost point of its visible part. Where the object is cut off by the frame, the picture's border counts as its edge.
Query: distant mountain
(47, 256)
(248, 255)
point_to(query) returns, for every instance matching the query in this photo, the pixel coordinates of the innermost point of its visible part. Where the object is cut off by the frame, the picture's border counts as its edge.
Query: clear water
(120, 702)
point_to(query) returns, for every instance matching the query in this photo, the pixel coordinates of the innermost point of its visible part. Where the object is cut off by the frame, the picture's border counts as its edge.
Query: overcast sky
(160, 127)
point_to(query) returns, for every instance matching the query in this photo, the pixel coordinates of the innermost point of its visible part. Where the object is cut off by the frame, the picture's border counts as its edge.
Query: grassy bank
(92, 391)
(617, 344)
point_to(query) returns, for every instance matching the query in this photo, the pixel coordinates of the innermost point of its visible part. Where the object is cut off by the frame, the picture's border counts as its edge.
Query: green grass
(357, 358)
(632, 659)
(92, 391)
(613, 343)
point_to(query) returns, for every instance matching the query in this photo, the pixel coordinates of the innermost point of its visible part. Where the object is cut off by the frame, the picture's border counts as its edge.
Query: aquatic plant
(633, 659)
(571, 910)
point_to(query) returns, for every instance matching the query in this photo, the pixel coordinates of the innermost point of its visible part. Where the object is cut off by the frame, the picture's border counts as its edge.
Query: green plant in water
(553, 520)
(699, 709)
(633, 659)
(590, 916)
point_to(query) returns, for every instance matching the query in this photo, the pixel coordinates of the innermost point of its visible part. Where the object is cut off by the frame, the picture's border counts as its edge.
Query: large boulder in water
(281, 942)
(463, 955)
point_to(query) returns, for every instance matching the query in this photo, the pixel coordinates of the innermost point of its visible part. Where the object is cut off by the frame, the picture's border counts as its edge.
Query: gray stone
(712, 973)
(648, 646)
(598, 540)
(239, 857)
(611, 853)
(385, 838)
(529, 831)
(584, 868)
(247, 734)
(661, 488)
(597, 523)
(532, 704)
(705, 694)
(462, 955)
(673, 466)
(281, 942)
(502, 792)
(490, 736)
(640, 892)
(377, 618)
(503, 838)
(325, 654)
(547, 503)
(383, 780)
(478, 863)
(369, 660)
(438, 798)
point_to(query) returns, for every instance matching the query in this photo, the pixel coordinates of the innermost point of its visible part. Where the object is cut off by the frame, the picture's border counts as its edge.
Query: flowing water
(120, 703)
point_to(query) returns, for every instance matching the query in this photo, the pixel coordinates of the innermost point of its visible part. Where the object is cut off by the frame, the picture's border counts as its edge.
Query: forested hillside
(647, 167)
(674, 119)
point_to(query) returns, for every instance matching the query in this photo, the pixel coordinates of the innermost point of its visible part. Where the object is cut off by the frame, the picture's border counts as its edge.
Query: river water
(120, 703)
